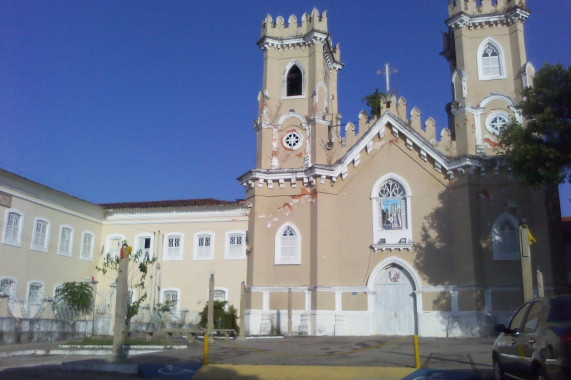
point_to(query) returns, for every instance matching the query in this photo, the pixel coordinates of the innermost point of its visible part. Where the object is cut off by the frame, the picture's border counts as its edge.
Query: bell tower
(485, 47)
(298, 109)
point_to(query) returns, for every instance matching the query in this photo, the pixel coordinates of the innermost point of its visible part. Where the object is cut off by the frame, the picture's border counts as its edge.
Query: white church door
(394, 302)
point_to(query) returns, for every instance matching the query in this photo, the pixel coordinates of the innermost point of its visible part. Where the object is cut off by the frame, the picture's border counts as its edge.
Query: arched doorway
(395, 301)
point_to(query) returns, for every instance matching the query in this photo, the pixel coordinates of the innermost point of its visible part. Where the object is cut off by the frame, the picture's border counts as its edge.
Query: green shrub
(223, 319)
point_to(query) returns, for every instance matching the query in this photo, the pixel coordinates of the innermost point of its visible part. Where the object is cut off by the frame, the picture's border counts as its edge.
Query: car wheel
(498, 370)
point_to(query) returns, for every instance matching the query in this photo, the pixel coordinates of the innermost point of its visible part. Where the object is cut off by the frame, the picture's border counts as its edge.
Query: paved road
(305, 357)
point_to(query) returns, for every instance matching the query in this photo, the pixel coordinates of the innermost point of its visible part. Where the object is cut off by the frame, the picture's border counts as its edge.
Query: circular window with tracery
(292, 140)
(496, 122)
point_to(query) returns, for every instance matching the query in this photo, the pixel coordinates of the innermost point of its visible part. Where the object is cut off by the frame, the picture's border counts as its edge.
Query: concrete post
(121, 300)
(540, 288)
(526, 272)
(242, 334)
(289, 306)
(210, 323)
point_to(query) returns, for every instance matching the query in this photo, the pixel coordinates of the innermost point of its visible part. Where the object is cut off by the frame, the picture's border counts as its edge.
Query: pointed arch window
(288, 245)
(490, 60)
(294, 81)
(391, 213)
(393, 206)
(505, 238)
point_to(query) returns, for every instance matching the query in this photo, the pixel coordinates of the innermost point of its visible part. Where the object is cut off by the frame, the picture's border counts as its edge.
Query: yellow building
(380, 227)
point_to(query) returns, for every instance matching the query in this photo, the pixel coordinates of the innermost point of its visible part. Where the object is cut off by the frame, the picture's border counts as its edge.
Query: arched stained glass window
(393, 206)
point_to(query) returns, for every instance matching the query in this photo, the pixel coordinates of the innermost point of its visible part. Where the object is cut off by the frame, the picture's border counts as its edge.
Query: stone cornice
(464, 20)
(448, 166)
(307, 40)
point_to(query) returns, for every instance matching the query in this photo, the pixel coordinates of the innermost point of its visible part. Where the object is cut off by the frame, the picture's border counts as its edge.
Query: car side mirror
(500, 328)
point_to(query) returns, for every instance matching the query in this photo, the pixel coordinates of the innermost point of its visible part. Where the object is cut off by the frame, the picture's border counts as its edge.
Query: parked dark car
(537, 342)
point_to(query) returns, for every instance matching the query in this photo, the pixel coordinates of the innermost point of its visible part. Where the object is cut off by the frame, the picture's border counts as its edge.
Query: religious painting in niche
(393, 205)
(392, 214)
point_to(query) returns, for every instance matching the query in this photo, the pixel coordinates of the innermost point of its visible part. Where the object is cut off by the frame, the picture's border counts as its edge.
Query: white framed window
(173, 246)
(8, 286)
(288, 245)
(144, 243)
(65, 240)
(40, 240)
(505, 238)
(204, 246)
(87, 240)
(391, 203)
(293, 81)
(497, 121)
(235, 245)
(114, 244)
(13, 227)
(491, 61)
(172, 297)
(35, 293)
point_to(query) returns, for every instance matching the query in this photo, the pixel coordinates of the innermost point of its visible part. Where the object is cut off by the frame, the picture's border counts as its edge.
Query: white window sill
(392, 246)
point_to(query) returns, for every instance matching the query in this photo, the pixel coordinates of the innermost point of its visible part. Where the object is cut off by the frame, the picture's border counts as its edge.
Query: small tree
(540, 151)
(374, 102)
(72, 299)
(140, 268)
(223, 319)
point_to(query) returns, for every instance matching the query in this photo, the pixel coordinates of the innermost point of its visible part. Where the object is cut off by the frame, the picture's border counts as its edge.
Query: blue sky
(151, 100)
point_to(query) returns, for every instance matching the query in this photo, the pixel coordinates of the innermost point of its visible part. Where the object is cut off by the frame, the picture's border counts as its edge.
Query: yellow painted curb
(288, 372)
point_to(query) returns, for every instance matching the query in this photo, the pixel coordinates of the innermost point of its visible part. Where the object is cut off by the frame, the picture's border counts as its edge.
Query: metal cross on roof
(388, 71)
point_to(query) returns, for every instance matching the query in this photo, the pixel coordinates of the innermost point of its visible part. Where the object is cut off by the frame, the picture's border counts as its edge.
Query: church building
(387, 227)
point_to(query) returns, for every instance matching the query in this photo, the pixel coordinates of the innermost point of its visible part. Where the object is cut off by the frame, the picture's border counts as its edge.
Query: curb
(89, 350)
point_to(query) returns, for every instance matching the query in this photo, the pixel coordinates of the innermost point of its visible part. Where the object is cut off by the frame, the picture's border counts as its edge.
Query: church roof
(208, 202)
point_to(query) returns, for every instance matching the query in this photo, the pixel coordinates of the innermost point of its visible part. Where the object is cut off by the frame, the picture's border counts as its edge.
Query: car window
(518, 317)
(560, 309)
(533, 316)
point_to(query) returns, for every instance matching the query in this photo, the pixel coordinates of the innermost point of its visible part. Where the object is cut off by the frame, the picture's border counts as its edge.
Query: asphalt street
(271, 358)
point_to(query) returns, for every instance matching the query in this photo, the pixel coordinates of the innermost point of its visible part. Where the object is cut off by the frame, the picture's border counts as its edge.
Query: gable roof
(450, 166)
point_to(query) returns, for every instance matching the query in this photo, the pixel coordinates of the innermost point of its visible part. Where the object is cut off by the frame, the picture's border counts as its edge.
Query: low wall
(14, 331)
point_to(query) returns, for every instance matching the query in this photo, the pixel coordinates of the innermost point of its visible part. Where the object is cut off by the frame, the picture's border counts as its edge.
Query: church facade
(385, 227)
(380, 227)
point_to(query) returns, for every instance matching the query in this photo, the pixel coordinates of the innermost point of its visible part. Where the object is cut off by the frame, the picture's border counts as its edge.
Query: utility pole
(121, 300)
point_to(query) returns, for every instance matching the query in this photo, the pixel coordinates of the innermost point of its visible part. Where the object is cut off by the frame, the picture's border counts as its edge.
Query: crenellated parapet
(480, 13)
(428, 130)
(297, 33)
(295, 27)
